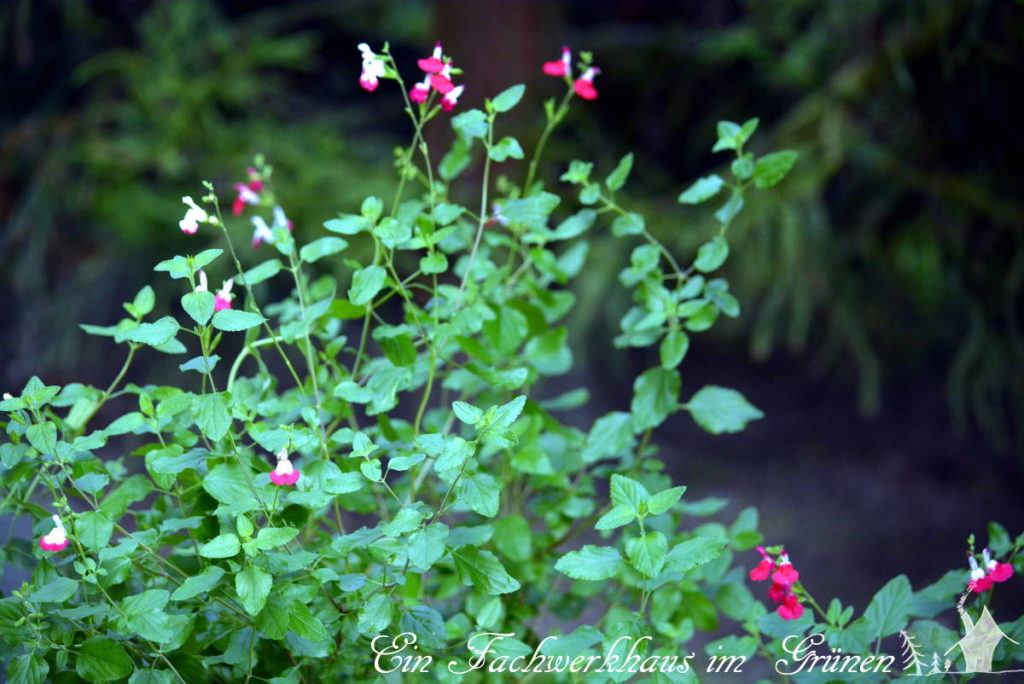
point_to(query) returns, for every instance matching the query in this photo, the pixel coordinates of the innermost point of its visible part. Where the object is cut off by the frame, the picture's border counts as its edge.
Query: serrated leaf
(221, 546)
(647, 553)
(484, 571)
(617, 517)
(889, 609)
(199, 306)
(662, 501)
(199, 584)
(101, 659)
(253, 587)
(693, 553)
(772, 168)
(366, 283)
(590, 563)
(318, 249)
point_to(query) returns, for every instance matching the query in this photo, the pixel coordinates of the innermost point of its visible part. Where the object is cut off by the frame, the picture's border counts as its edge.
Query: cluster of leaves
(440, 489)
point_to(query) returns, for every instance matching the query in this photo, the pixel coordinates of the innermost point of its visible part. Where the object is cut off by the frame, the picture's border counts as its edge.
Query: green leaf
(506, 414)
(366, 283)
(628, 224)
(508, 98)
(889, 610)
(303, 623)
(662, 501)
(372, 208)
(253, 587)
(610, 435)
(505, 148)
(772, 168)
(144, 301)
(426, 546)
(480, 492)
(712, 254)
(693, 553)
(221, 546)
(427, 624)
(512, 537)
(93, 529)
(199, 584)
(57, 591)
(455, 161)
(673, 348)
(152, 677)
(617, 178)
(728, 136)
(483, 570)
(620, 515)
(258, 274)
(728, 211)
(210, 411)
(199, 306)
(101, 659)
(467, 413)
(590, 563)
(647, 553)
(272, 537)
(154, 334)
(43, 436)
(702, 190)
(375, 615)
(470, 124)
(626, 491)
(143, 614)
(347, 225)
(405, 521)
(233, 320)
(434, 263)
(719, 410)
(318, 249)
(655, 396)
(28, 669)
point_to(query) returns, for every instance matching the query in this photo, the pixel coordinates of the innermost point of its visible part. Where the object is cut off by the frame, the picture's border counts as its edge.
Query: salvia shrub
(377, 482)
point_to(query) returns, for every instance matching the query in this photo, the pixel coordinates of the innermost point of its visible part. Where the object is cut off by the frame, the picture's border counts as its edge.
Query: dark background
(881, 283)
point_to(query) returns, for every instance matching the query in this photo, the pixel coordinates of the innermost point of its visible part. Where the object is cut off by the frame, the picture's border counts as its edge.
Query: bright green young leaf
(253, 585)
(233, 320)
(508, 98)
(590, 563)
(647, 553)
(655, 397)
(366, 283)
(617, 178)
(154, 334)
(222, 546)
(702, 190)
(483, 570)
(318, 249)
(620, 515)
(57, 591)
(375, 615)
(693, 553)
(272, 537)
(719, 410)
(199, 584)
(772, 168)
(199, 306)
(673, 348)
(712, 254)
(664, 500)
(210, 412)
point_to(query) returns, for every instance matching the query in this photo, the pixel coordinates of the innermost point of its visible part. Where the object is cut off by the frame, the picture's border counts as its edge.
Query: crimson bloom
(560, 67)
(433, 64)
(584, 85)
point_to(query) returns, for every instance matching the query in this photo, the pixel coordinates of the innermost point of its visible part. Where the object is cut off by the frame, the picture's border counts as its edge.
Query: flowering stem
(482, 219)
(552, 122)
(310, 361)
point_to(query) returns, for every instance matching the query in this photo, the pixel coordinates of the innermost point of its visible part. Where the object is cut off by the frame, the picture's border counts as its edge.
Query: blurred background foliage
(884, 276)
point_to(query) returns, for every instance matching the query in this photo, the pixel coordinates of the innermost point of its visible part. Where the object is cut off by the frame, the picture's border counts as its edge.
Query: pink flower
(57, 539)
(451, 98)
(373, 68)
(584, 85)
(790, 608)
(442, 81)
(560, 67)
(284, 473)
(764, 568)
(193, 217)
(778, 592)
(420, 91)
(247, 193)
(434, 63)
(785, 574)
(223, 298)
(984, 576)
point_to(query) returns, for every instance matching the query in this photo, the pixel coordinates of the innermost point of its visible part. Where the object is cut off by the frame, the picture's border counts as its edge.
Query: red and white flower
(285, 473)
(435, 63)
(222, 300)
(247, 193)
(584, 85)
(451, 98)
(560, 67)
(785, 573)
(764, 568)
(442, 80)
(193, 217)
(373, 68)
(57, 539)
(419, 92)
(990, 572)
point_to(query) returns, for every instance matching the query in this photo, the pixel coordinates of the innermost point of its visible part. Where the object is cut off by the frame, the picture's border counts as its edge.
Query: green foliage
(441, 483)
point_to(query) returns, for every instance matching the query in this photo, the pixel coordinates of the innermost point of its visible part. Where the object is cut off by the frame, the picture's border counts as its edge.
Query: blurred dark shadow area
(881, 286)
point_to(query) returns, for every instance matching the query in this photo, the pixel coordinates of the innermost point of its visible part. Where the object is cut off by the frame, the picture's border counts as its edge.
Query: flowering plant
(385, 455)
